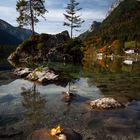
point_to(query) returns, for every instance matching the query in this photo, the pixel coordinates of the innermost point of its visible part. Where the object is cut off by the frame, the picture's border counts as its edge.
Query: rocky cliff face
(40, 48)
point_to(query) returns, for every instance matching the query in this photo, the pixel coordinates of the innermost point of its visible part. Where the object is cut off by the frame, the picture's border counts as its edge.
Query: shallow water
(46, 107)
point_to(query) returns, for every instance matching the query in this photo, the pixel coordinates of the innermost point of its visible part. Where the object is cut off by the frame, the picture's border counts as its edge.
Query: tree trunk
(32, 18)
(69, 86)
(71, 31)
(72, 27)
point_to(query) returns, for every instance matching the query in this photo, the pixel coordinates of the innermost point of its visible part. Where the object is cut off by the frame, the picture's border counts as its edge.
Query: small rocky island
(47, 47)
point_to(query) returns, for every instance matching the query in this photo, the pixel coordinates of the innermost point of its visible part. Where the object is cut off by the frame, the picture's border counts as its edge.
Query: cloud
(57, 15)
(92, 10)
(93, 14)
(8, 14)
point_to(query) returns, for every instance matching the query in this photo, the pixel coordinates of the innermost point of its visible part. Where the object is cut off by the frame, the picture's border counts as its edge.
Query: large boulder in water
(37, 47)
(105, 103)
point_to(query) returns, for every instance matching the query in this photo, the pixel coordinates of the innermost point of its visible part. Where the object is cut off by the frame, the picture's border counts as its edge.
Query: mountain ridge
(122, 23)
(10, 35)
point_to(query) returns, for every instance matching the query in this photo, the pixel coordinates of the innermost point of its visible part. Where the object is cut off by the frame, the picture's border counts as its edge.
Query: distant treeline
(121, 24)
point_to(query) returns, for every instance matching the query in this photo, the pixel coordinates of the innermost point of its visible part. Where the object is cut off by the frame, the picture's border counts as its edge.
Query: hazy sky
(92, 10)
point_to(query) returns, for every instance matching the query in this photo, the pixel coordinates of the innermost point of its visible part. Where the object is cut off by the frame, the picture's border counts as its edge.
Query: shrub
(72, 47)
(130, 44)
(118, 47)
(40, 46)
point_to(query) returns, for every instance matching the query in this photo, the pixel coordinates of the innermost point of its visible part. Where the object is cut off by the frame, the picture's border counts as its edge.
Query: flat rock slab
(44, 134)
(41, 74)
(105, 103)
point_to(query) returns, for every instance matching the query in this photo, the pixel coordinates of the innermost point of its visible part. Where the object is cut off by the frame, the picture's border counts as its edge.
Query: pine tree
(29, 11)
(73, 20)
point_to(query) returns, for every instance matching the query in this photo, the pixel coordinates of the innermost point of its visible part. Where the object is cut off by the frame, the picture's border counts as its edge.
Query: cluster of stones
(105, 103)
(41, 75)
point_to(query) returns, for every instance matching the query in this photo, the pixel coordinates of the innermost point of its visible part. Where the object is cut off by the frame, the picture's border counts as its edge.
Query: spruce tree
(29, 11)
(72, 19)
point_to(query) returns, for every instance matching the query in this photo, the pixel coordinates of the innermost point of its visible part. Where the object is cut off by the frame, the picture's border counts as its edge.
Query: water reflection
(118, 76)
(34, 104)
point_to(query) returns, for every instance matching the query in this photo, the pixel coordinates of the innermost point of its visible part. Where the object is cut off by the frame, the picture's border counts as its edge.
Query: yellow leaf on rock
(56, 130)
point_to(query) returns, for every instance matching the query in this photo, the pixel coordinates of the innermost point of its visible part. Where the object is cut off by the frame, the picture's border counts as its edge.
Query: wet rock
(22, 72)
(9, 132)
(68, 96)
(44, 134)
(41, 74)
(105, 103)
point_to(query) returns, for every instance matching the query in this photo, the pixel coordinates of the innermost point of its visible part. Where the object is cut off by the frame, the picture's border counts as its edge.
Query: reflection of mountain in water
(34, 103)
(6, 75)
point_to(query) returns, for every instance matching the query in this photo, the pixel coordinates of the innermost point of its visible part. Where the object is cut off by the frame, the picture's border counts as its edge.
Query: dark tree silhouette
(34, 104)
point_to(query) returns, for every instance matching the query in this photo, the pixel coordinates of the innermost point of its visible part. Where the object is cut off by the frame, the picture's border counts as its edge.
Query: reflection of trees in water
(105, 65)
(34, 104)
(113, 77)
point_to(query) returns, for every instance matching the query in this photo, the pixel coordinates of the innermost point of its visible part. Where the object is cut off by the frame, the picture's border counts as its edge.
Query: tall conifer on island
(29, 11)
(73, 20)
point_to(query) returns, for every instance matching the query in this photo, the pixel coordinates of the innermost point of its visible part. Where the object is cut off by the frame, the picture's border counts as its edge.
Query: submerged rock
(105, 103)
(44, 134)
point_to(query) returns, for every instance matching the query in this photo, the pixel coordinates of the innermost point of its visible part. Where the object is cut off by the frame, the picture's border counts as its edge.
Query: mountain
(10, 35)
(8, 39)
(122, 23)
(94, 26)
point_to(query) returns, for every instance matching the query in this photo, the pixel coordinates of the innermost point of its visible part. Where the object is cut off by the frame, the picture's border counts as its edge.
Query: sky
(91, 10)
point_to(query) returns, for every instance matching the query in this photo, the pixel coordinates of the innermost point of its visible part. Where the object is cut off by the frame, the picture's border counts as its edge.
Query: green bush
(42, 38)
(40, 46)
(72, 47)
(130, 44)
(118, 47)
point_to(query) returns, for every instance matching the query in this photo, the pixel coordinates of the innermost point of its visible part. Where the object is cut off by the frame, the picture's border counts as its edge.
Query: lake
(46, 107)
